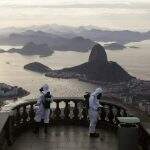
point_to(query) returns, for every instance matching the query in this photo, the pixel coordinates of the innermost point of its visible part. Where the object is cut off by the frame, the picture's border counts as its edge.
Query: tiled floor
(65, 138)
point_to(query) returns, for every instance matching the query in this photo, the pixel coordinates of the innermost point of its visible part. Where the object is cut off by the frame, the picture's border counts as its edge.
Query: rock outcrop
(33, 49)
(2, 51)
(11, 92)
(98, 55)
(37, 67)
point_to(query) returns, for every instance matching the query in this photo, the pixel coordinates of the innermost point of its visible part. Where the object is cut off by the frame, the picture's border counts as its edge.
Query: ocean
(135, 60)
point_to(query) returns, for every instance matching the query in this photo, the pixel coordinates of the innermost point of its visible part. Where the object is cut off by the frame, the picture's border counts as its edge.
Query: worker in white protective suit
(42, 108)
(94, 107)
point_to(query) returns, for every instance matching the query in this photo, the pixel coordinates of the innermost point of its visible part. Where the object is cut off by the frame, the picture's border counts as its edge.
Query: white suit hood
(45, 88)
(93, 101)
(97, 91)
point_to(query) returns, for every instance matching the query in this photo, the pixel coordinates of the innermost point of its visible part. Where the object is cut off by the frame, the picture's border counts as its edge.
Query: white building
(145, 106)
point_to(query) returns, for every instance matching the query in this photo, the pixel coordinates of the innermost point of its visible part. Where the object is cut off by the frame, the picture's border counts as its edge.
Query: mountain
(33, 49)
(54, 41)
(122, 37)
(98, 34)
(67, 32)
(98, 55)
(114, 46)
(37, 67)
(97, 69)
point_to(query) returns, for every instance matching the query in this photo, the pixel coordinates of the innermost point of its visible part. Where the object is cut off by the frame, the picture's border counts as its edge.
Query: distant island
(37, 67)
(133, 47)
(98, 68)
(114, 46)
(2, 51)
(11, 92)
(33, 49)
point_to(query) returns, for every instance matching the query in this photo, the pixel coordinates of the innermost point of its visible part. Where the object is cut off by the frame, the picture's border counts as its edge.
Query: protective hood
(97, 91)
(45, 89)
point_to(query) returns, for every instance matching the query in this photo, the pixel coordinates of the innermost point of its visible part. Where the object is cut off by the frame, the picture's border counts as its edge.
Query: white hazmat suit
(93, 109)
(40, 112)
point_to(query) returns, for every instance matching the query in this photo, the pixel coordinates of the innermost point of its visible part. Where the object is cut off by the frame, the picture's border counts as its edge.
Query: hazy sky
(127, 14)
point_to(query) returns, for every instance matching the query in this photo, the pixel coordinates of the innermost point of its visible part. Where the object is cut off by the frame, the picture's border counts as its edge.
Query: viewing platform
(68, 128)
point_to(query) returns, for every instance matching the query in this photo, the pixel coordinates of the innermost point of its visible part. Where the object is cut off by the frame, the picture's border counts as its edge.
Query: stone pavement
(65, 138)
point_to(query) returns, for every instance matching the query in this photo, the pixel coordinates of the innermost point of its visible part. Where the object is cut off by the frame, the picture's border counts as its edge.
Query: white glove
(35, 107)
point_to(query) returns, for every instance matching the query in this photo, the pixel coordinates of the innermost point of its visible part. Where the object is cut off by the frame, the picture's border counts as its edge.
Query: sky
(115, 14)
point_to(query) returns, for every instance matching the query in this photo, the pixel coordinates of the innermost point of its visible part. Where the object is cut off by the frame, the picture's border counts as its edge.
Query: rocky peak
(98, 54)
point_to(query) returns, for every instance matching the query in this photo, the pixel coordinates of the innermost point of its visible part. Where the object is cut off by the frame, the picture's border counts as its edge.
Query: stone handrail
(68, 113)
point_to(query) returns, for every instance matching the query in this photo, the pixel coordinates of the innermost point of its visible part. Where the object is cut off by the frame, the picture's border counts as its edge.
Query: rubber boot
(94, 134)
(45, 127)
(37, 127)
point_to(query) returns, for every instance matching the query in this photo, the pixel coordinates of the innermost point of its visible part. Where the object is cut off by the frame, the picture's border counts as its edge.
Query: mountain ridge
(90, 32)
(55, 42)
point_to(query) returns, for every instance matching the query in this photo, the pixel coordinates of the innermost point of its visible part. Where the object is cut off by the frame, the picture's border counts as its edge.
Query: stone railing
(66, 111)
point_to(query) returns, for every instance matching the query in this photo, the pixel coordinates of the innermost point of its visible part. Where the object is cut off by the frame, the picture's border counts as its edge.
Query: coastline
(132, 88)
(8, 92)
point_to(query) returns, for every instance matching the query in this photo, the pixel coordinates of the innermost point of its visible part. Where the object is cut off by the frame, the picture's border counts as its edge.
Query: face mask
(99, 96)
(41, 89)
(48, 95)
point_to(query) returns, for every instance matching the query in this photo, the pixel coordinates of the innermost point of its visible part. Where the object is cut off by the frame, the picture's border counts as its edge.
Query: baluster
(76, 112)
(50, 117)
(103, 114)
(17, 120)
(57, 112)
(50, 114)
(118, 114)
(110, 114)
(31, 114)
(18, 117)
(124, 113)
(24, 115)
(67, 111)
(84, 116)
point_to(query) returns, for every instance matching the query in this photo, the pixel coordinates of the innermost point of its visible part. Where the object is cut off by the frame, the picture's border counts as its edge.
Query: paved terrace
(65, 138)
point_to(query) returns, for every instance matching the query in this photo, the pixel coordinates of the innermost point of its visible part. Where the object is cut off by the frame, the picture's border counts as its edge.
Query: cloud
(111, 13)
(131, 5)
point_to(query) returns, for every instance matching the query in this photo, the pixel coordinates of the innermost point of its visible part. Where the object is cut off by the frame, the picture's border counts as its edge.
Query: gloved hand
(36, 107)
(99, 108)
